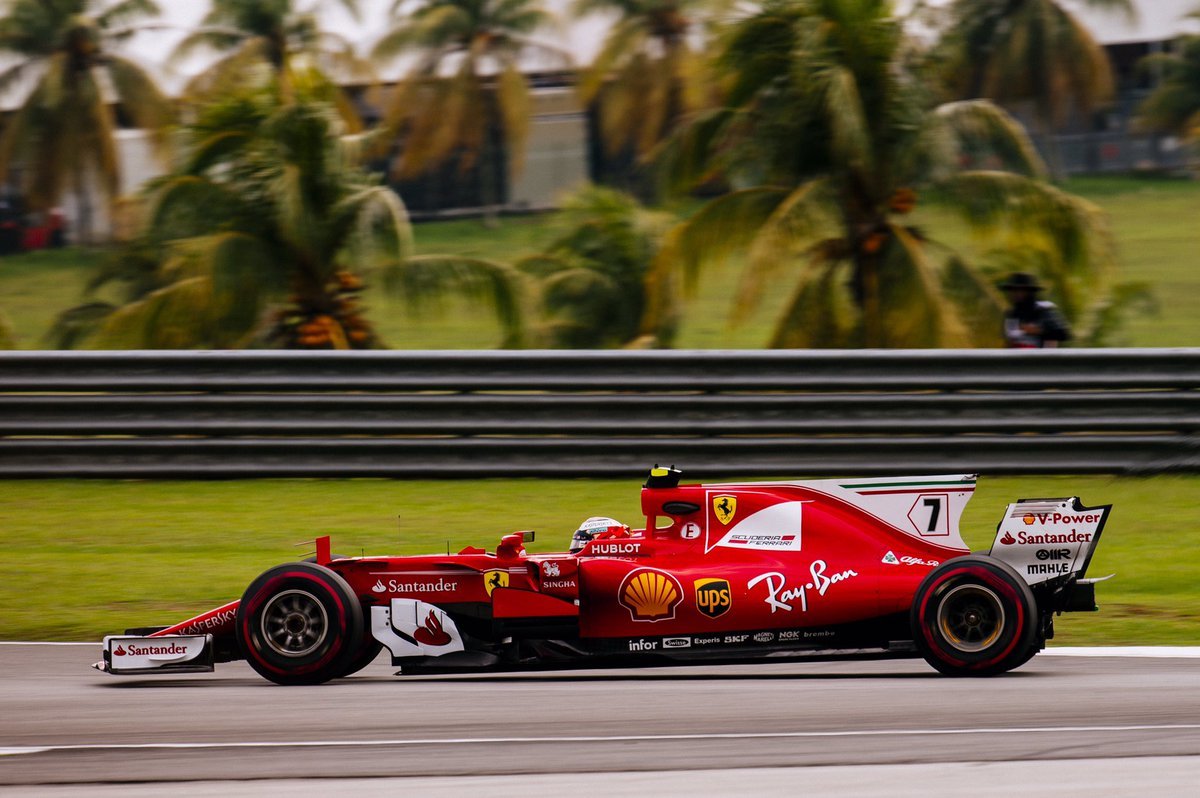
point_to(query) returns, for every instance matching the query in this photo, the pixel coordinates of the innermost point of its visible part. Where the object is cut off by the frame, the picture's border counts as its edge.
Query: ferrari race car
(722, 573)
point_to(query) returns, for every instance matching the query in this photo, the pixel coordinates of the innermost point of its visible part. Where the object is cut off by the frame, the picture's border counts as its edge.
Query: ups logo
(713, 597)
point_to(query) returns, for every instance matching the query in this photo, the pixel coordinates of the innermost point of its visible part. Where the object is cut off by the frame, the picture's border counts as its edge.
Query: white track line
(1132, 652)
(625, 738)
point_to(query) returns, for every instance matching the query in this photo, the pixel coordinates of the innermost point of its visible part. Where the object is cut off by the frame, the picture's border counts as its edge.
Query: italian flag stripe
(935, 484)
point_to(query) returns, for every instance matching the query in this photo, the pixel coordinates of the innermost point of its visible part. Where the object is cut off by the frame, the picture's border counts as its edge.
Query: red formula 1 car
(854, 568)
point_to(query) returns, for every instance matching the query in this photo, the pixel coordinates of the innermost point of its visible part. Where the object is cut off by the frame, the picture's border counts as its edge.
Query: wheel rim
(971, 618)
(294, 623)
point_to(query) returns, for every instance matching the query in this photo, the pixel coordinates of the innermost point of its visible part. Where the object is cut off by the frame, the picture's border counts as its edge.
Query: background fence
(469, 414)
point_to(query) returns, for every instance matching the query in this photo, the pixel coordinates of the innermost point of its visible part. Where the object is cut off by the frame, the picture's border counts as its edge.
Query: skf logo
(713, 597)
(725, 508)
(650, 595)
(494, 579)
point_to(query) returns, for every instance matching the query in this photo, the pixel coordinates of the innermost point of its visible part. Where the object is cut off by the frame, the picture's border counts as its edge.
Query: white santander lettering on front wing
(136, 653)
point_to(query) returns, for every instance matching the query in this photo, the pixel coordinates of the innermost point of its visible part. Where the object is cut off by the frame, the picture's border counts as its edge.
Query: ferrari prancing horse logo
(725, 507)
(494, 579)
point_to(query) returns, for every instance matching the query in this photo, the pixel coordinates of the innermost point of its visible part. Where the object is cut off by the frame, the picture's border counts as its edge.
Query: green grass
(82, 558)
(1154, 220)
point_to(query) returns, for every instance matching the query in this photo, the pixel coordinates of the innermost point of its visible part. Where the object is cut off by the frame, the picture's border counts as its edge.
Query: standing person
(1029, 322)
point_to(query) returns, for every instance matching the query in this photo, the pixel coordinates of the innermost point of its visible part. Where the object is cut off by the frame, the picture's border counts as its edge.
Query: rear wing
(1049, 539)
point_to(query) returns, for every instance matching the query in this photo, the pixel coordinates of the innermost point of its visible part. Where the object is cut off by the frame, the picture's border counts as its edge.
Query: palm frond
(803, 215)
(125, 12)
(1070, 234)
(174, 317)
(722, 227)
(851, 139)
(915, 313)
(424, 282)
(140, 96)
(819, 314)
(372, 227)
(75, 325)
(215, 39)
(980, 127)
(977, 300)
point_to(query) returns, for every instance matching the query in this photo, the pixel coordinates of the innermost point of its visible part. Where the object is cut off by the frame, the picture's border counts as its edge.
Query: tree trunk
(490, 162)
(84, 222)
(871, 302)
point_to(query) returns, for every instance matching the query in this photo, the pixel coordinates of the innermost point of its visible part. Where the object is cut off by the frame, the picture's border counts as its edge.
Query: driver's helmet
(597, 526)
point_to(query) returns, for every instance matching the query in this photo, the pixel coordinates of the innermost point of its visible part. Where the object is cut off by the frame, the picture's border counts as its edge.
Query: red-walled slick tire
(369, 649)
(300, 623)
(974, 616)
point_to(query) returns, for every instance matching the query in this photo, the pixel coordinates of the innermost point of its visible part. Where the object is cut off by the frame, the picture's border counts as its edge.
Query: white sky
(580, 39)
(1156, 20)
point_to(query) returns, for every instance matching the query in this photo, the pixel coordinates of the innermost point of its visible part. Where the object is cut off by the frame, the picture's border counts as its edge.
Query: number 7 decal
(930, 515)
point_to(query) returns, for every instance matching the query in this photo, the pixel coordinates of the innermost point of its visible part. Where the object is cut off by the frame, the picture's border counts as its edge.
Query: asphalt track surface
(1059, 726)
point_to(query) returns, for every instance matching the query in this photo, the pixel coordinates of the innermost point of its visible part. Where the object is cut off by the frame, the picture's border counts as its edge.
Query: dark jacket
(1044, 315)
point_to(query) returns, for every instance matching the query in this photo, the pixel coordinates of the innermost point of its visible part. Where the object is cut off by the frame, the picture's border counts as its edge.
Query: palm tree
(593, 276)
(62, 133)
(263, 236)
(273, 33)
(645, 77)
(829, 135)
(1037, 50)
(465, 96)
(1174, 105)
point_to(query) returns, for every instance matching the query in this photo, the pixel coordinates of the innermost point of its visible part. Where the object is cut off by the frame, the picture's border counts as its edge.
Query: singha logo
(551, 569)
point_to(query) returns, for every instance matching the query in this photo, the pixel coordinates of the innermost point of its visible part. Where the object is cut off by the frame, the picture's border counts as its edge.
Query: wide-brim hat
(1022, 280)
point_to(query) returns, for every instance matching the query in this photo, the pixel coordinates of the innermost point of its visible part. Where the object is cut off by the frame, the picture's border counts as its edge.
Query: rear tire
(300, 623)
(974, 616)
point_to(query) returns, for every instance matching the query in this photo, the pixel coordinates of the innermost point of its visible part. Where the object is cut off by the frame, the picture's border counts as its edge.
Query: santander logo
(171, 650)
(432, 633)
(1008, 539)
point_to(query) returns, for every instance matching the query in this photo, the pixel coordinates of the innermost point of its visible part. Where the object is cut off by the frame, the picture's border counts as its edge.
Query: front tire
(300, 623)
(974, 616)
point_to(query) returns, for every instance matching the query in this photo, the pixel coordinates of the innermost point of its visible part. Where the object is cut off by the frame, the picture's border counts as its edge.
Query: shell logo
(650, 595)
(1028, 519)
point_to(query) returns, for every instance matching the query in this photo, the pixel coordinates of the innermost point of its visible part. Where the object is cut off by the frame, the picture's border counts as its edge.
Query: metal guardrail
(727, 413)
